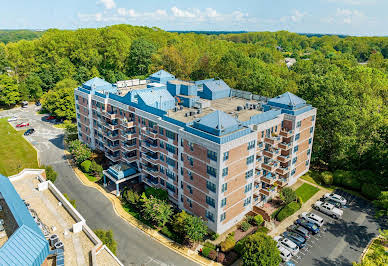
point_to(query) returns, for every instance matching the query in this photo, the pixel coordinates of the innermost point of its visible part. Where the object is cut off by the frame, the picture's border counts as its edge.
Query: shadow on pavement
(328, 262)
(58, 141)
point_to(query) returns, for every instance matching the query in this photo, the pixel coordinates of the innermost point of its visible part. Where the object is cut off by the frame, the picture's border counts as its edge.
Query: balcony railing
(270, 166)
(282, 182)
(284, 158)
(111, 126)
(129, 147)
(151, 180)
(272, 140)
(284, 145)
(286, 133)
(129, 135)
(268, 191)
(127, 124)
(112, 157)
(149, 133)
(113, 147)
(269, 179)
(109, 115)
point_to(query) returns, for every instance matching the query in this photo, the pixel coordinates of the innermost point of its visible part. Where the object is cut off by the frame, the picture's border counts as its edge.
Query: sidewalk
(305, 208)
(182, 250)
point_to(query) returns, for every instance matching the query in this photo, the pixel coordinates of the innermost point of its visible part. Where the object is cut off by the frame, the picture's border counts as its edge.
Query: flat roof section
(228, 105)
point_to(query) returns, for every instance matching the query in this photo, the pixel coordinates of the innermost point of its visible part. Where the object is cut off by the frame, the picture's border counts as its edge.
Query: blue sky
(354, 17)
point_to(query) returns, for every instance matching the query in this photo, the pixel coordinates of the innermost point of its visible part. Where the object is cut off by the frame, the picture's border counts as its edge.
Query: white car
(1, 222)
(284, 253)
(14, 118)
(312, 218)
(336, 198)
(329, 209)
(287, 244)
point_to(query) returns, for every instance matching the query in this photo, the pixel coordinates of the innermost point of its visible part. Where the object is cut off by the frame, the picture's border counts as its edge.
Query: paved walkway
(305, 208)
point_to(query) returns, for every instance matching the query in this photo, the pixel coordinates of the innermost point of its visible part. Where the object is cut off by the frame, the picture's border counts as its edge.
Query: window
(299, 124)
(307, 162)
(262, 134)
(308, 152)
(170, 135)
(161, 144)
(310, 140)
(296, 148)
(191, 145)
(223, 202)
(294, 160)
(211, 186)
(224, 187)
(143, 121)
(189, 202)
(211, 171)
(181, 184)
(222, 217)
(250, 159)
(210, 201)
(190, 174)
(161, 169)
(226, 155)
(313, 118)
(276, 128)
(311, 129)
(251, 144)
(293, 172)
(225, 171)
(248, 187)
(210, 216)
(170, 148)
(182, 158)
(170, 174)
(161, 157)
(260, 144)
(182, 171)
(212, 155)
(170, 162)
(297, 136)
(190, 159)
(249, 174)
(170, 187)
(190, 189)
(247, 201)
(162, 182)
(181, 198)
(161, 131)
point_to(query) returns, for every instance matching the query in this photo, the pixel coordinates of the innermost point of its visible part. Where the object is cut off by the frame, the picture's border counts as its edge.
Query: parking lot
(341, 242)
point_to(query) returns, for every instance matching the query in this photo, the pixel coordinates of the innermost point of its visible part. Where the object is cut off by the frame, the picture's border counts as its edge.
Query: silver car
(336, 198)
(313, 218)
(287, 244)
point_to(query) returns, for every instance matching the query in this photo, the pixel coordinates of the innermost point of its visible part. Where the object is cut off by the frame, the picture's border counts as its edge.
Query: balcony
(270, 166)
(129, 136)
(149, 133)
(111, 126)
(150, 157)
(284, 158)
(127, 147)
(273, 140)
(111, 136)
(113, 147)
(268, 179)
(112, 157)
(150, 169)
(109, 115)
(283, 170)
(268, 191)
(285, 132)
(150, 180)
(270, 153)
(282, 182)
(129, 159)
(150, 146)
(284, 146)
(127, 124)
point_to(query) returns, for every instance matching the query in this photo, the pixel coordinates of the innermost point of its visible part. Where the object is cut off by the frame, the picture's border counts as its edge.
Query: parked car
(296, 238)
(284, 254)
(329, 209)
(287, 244)
(24, 104)
(335, 203)
(50, 118)
(23, 125)
(14, 118)
(300, 230)
(335, 197)
(29, 132)
(1, 221)
(309, 226)
(37, 103)
(312, 218)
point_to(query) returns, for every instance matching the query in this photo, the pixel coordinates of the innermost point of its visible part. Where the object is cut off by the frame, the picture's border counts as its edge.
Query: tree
(33, 85)
(96, 169)
(60, 100)
(132, 197)
(71, 131)
(140, 57)
(288, 195)
(195, 228)
(9, 94)
(51, 175)
(157, 193)
(259, 249)
(155, 210)
(80, 151)
(106, 237)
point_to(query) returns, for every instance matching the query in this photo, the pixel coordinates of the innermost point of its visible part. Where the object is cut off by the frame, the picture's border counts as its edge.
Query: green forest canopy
(351, 128)
(7, 36)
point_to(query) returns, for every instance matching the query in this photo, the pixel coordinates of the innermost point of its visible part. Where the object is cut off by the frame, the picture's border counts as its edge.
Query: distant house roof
(288, 99)
(97, 84)
(218, 120)
(27, 245)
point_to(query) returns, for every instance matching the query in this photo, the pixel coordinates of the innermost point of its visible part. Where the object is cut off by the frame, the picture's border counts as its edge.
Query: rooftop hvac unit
(192, 113)
(199, 111)
(53, 240)
(181, 108)
(187, 114)
(59, 245)
(239, 108)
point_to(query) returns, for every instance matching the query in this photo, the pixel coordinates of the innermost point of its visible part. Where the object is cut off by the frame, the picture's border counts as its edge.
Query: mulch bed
(239, 234)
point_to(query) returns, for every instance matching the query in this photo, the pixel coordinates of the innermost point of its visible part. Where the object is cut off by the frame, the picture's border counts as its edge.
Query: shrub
(370, 191)
(258, 219)
(85, 166)
(288, 210)
(351, 182)
(250, 219)
(209, 245)
(244, 226)
(212, 254)
(262, 229)
(96, 169)
(220, 257)
(214, 236)
(288, 195)
(275, 213)
(132, 197)
(327, 177)
(72, 202)
(107, 238)
(206, 251)
(51, 175)
(339, 176)
(299, 200)
(228, 244)
(157, 193)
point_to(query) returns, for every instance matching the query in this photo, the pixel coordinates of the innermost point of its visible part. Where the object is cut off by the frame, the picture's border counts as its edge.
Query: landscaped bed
(306, 191)
(15, 152)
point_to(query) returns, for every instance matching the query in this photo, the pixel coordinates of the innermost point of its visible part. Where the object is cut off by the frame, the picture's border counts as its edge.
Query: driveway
(134, 246)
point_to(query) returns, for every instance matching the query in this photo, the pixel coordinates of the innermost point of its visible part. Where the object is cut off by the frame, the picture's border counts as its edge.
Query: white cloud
(353, 2)
(296, 16)
(182, 13)
(109, 4)
(347, 16)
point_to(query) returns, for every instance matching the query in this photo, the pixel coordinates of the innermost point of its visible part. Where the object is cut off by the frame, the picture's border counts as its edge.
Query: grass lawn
(306, 191)
(15, 152)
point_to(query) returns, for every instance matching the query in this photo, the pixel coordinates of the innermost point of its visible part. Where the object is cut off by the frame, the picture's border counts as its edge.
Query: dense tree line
(351, 130)
(7, 36)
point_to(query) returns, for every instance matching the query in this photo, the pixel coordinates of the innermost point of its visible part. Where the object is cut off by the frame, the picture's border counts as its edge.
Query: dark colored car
(299, 230)
(29, 132)
(50, 117)
(309, 226)
(296, 238)
(37, 103)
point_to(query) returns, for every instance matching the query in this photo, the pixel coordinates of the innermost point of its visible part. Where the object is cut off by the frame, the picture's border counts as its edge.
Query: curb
(137, 224)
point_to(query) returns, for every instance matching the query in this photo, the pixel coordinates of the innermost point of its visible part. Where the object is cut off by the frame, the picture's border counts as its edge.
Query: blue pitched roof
(157, 97)
(216, 85)
(161, 74)
(218, 120)
(24, 247)
(288, 99)
(98, 84)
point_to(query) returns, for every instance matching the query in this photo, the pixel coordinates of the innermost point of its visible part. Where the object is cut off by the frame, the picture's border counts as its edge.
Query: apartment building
(217, 151)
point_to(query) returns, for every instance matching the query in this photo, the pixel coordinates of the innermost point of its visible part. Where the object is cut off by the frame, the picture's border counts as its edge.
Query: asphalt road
(134, 246)
(342, 242)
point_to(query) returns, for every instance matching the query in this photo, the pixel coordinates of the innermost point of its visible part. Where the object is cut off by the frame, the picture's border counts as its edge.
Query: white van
(287, 244)
(284, 253)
